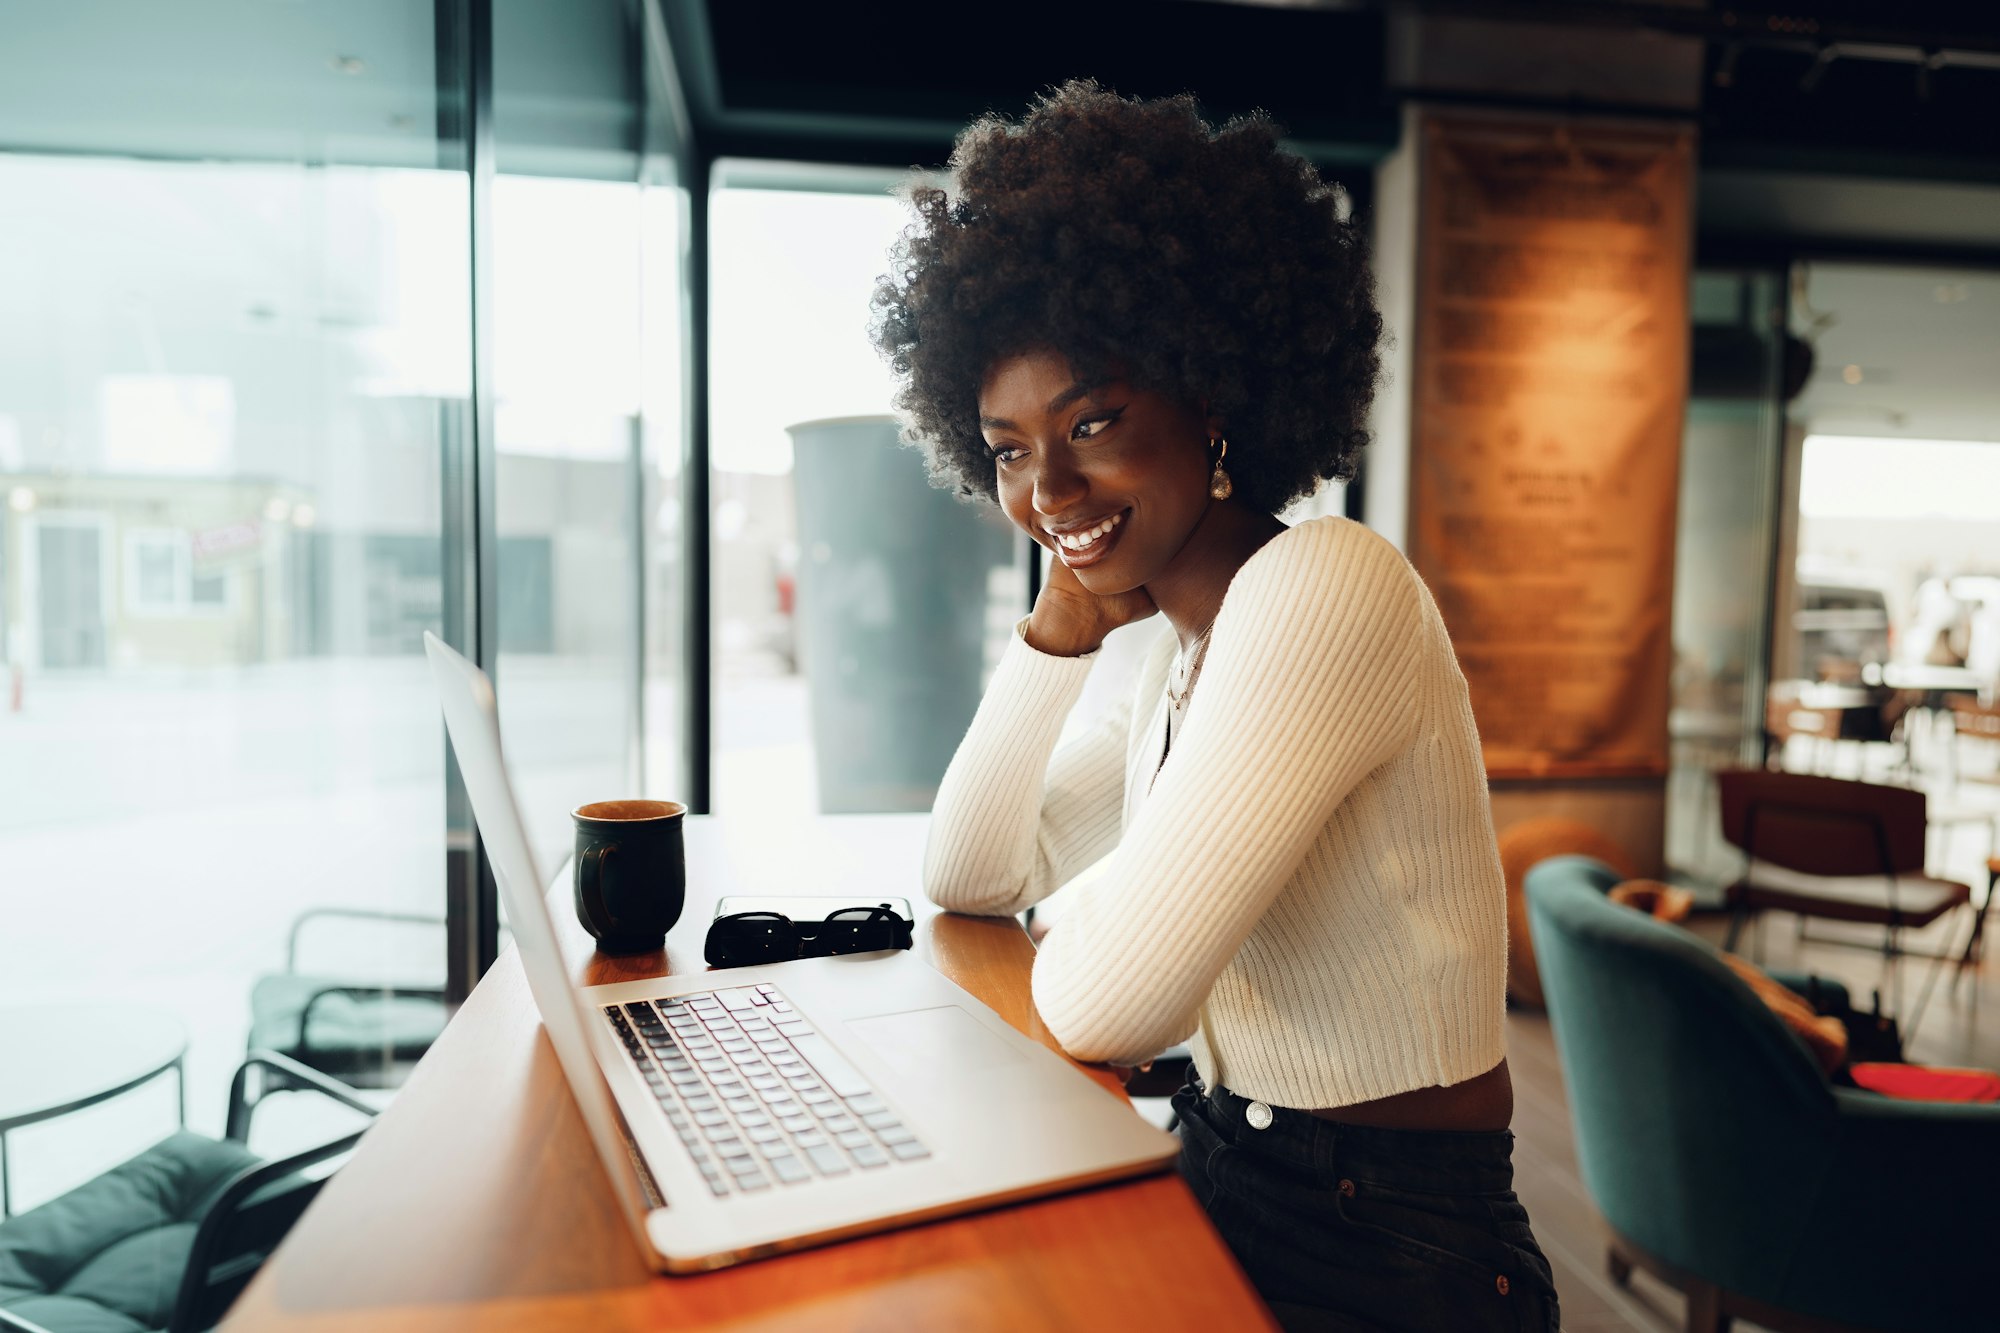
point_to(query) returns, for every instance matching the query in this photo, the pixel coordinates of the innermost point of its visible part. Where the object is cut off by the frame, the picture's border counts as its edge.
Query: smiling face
(1111, 478)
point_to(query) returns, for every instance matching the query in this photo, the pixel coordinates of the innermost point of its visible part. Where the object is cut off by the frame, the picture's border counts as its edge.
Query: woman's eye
(1090, 426)
(1006, 453)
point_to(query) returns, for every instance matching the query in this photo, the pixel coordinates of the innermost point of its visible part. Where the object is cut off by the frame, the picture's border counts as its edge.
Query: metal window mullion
(697, 711)
(468, 472)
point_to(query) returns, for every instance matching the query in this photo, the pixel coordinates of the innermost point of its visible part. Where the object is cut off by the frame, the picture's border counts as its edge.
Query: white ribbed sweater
(1310, 890)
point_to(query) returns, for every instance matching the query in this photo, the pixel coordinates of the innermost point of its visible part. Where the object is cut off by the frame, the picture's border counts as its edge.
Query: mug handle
(590, 872)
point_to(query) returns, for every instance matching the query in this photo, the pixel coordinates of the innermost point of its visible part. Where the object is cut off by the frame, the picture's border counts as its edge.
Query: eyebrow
(1056, 404)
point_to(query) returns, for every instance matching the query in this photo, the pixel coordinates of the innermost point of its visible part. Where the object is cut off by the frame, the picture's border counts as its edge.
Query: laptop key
(738, 998)
(881, 1120)
(796, 1123)
(852, 1138)
(763, 1134)
(827, 1110)
(839, 1124)
(794, 1028)
(910, 1151)
(810, 1138)
(870, 1156)
(753, 1119)
(752, 1183)
(828, 1161)
(866, 1104)
(789, 1170)
(895, 1134)
(710, 1119)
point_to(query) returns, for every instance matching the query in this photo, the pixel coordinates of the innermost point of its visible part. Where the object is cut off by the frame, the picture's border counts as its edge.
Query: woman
(1145, 339)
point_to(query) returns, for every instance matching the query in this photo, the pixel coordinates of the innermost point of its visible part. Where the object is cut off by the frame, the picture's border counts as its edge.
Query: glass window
(1722, 557)
(857, 610)
(566, 323)
(237, 330)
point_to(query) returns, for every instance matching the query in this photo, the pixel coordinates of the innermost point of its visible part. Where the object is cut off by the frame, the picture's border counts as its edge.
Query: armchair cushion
(341, 1022)
(109, 1255)
(1823, 1035)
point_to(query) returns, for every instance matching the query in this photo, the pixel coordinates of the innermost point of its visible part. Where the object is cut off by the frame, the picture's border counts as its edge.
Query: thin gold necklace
(1194, 657)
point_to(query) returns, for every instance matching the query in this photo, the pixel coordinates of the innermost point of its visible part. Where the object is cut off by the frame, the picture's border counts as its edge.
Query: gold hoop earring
(1220, 487)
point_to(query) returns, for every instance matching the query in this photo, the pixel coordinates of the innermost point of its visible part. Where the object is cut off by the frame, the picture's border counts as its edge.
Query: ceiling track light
(1725, 67)
(1822, 58)
(1933, 60)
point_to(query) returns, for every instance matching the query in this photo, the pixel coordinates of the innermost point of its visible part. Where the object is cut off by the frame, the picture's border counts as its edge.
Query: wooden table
(476, 1201)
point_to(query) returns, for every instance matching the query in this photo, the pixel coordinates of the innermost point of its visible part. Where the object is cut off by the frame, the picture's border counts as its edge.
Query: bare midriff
(1482, 1103)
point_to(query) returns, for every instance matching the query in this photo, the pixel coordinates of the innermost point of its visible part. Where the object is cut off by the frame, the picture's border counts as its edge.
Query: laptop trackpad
(927, 1041)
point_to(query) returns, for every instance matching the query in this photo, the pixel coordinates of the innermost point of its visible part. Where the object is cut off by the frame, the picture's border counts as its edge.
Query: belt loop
(1326, 1144)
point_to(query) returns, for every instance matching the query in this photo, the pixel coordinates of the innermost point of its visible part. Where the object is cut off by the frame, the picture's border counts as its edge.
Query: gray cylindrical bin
(894, 579)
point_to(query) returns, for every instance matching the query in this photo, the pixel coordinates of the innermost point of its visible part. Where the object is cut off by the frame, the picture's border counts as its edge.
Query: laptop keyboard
(758, 1097)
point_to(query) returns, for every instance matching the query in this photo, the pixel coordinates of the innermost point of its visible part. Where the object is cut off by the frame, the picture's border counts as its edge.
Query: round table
(60, 1058)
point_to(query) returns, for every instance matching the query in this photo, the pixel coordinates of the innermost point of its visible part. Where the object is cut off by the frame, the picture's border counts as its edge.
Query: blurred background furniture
(1825, 717)
(1839, 850)
(1725, 1162)
(167, 1239)
(361, 1029)
(59, 1058)
(1979, 723)
(1522, 847)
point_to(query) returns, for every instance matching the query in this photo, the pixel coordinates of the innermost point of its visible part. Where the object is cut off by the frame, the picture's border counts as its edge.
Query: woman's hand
(1070, 620)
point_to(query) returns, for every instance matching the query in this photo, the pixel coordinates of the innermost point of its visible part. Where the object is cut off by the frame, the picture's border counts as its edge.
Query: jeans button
(1259, 1115)
(1347, 1189)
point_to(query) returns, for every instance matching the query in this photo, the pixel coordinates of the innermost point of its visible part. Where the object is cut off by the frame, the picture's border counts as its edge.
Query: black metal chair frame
(221, 1261)
(302, 1049)
(1891, 947)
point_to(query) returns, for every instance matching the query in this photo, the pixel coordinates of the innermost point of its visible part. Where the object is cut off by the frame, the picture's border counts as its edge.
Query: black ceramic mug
(631, 872)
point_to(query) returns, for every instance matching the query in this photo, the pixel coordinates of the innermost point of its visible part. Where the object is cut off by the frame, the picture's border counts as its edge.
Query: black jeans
(1341, 1227)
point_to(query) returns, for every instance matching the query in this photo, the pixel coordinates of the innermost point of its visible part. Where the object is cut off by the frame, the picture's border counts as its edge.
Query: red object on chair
(1928, 1083)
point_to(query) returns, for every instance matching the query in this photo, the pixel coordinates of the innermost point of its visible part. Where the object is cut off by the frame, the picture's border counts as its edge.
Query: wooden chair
(1836, 849)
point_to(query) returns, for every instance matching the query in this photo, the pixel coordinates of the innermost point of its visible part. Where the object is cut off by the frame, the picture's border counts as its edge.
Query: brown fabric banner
(1550, 376)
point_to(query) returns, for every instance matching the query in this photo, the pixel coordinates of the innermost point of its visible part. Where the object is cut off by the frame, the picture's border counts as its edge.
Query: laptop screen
(472, 720)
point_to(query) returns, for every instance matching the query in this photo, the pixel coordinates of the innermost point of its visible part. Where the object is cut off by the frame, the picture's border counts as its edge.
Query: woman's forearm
(1009, 825)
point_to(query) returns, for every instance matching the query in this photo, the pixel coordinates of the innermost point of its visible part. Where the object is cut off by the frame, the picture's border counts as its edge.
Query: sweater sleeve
(1308, 687)
(1010, 825)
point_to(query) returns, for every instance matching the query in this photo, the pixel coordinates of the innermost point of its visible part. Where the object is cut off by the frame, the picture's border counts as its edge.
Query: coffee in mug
(631, 872)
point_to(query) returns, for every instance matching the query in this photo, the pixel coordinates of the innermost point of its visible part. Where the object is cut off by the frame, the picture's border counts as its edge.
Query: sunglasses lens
(859, 929)
(762, 937)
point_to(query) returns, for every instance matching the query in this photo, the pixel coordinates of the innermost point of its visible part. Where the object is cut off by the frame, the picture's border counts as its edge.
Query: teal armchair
(166, 1240)
(1725, 1162)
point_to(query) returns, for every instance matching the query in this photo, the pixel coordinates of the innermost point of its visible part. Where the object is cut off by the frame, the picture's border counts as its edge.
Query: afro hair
(1210, 265)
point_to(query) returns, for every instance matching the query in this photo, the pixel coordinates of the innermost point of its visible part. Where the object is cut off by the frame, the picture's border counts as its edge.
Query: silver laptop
(751, 1111)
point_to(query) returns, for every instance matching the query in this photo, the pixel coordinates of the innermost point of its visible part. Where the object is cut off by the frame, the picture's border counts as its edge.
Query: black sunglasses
(772, 937)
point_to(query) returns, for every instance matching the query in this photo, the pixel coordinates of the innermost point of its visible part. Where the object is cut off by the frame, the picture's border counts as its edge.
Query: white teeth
(1077, 541)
